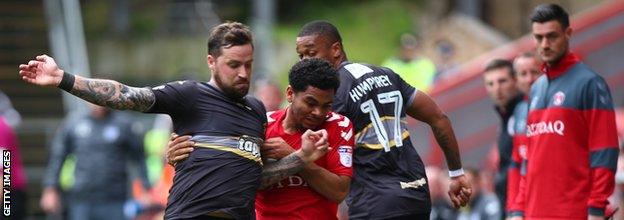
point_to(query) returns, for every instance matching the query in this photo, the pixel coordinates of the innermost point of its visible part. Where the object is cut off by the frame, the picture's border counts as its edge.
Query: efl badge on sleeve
(346, 155)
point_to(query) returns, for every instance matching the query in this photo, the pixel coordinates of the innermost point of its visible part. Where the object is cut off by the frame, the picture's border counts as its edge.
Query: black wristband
(67, 83)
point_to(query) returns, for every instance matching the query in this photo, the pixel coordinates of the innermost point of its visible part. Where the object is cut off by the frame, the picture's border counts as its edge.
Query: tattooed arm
(43, 71)
(113, 94)
(425, 109)
(276, 171)
(313, 146)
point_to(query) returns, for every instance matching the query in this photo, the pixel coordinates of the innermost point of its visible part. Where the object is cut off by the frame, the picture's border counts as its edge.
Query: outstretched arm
(426, 110)
(44, 71)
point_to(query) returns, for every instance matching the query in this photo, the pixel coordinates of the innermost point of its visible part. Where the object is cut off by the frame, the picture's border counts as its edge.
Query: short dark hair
(227, 35)
(498, 64)
(313, 72)
(322, 28)
(548, 12)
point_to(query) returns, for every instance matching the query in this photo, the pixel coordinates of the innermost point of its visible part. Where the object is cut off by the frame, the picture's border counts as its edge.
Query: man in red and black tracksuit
(526, 70)
(570, 129)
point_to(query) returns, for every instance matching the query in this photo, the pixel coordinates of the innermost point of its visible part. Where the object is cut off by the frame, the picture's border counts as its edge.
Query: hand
(459, 191)
(50, 201)
(42, 71)
(276, 148)
(179, 148)
(313, 145)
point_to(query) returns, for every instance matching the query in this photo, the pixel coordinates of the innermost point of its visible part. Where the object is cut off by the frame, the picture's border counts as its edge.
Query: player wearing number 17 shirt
(389, 179)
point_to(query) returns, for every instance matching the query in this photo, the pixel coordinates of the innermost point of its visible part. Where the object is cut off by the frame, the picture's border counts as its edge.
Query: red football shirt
(293, 198)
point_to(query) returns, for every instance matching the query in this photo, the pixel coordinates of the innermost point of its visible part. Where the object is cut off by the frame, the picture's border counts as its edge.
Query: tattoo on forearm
(276, 171)
(446, 139)
(113, 94)
(440, 136)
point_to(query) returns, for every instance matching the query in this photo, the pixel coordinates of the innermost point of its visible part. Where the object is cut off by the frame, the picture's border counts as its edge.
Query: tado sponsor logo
(545, 127)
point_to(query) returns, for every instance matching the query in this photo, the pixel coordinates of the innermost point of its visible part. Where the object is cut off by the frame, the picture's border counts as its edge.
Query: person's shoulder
(337, 122)
(338, 127)
(541, 80)
(582, 73)
(274, 116)
(179, 84)
(358, 70)
(255, 104)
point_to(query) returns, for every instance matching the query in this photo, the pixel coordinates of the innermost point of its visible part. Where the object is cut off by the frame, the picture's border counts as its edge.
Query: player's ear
(211, 61)
(568, 32)
(290, 93)
(336, 49)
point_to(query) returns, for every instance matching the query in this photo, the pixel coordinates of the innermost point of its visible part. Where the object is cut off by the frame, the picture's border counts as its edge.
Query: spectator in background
(500, 84)
(415, 69)
(270, 94)
(11, 116)
(8, 141)
(527, 70)
(446, 64)
(483, 205)
(103, 142)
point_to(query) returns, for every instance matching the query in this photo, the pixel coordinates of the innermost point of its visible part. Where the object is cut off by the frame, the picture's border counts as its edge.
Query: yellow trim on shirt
(379, 146)
(236, 151)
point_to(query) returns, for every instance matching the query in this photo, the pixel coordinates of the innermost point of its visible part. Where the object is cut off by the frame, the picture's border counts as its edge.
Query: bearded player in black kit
(220, 178)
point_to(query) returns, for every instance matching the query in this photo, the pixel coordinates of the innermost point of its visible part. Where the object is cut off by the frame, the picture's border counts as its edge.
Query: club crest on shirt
(558, 98)
(346, 155)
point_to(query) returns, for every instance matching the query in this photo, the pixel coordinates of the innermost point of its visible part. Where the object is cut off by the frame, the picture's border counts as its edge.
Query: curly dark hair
(313, 72)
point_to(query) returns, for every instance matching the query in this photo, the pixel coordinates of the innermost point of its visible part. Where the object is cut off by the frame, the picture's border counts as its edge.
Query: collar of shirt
(554, 71)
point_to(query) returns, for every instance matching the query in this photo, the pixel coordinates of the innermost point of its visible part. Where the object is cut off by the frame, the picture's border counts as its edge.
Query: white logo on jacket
(545, 127)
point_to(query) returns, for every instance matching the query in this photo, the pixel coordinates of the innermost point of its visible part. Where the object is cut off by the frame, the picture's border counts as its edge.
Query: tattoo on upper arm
(276, 171)
(113, 94)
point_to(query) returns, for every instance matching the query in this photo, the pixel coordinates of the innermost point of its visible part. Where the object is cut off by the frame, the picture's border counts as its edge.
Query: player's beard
(230, 90)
